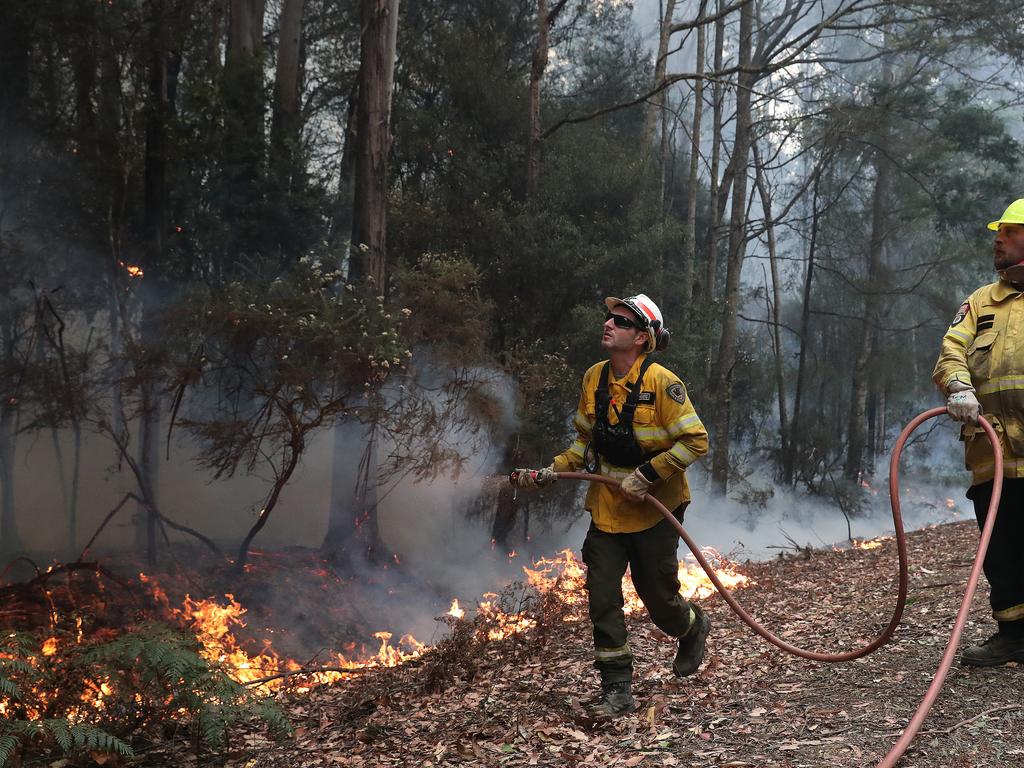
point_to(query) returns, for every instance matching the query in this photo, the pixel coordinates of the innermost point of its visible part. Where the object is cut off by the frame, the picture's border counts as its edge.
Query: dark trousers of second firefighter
(654, 568)
(1003, 567)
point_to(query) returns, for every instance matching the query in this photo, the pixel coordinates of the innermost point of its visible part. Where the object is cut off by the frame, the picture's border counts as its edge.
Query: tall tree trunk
(507, 508)
(776, 304)
(692, 188)
(286, 124)
(368, 260)
(726, 359)
(15, 46)
(656, 105)
(789, 459)
(714, 191)
(353, 533)
(537, 67)
(546, 19)
(244, 136)
(10, 539)
(155, 211)
(341, 233)
(872, 302)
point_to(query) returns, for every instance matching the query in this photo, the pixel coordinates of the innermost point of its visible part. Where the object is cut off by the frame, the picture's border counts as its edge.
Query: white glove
(635, 486)
(535, 478)
(962, 404)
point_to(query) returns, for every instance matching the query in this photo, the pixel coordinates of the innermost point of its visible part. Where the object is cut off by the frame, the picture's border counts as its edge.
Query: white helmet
(648, 314)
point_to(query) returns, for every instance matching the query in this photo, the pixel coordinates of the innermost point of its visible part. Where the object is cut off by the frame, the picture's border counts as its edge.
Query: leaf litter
(521, 701)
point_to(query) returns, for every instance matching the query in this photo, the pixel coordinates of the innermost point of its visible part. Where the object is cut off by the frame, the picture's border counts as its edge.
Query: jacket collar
(1003, 290)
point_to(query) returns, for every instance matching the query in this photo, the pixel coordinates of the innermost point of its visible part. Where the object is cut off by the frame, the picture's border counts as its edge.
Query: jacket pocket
(643, 415)
(979, 356)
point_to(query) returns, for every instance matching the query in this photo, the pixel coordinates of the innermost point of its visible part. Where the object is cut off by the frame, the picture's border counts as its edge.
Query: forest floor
(521, 701)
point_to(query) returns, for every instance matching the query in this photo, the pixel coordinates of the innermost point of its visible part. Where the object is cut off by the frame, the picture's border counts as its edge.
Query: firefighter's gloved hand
(635, 486)
(535, 478)
(962, 403)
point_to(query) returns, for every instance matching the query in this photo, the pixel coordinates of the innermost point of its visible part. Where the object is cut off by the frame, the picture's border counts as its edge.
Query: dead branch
(159, 516)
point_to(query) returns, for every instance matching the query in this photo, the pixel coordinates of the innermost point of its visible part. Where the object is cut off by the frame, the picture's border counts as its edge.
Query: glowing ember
(950, 504)
(50, 646)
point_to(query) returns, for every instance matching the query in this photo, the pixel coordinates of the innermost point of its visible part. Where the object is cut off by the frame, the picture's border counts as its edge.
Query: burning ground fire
(216, 624)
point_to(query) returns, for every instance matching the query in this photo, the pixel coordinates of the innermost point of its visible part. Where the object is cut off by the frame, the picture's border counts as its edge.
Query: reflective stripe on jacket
(985, 348)
(662, 424)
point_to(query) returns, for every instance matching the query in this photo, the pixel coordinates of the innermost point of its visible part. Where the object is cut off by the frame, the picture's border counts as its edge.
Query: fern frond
(9, 688)
(61, 733)
(7, 746)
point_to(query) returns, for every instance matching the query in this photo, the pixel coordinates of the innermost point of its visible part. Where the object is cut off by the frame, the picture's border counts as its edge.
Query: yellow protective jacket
(984, 347)
(664, 421)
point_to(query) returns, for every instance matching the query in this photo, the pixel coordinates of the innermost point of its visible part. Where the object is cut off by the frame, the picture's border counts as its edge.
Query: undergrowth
(515, 624)
(100, 697)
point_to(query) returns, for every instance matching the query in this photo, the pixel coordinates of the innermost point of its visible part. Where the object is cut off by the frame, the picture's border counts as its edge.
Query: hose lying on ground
(901, 545)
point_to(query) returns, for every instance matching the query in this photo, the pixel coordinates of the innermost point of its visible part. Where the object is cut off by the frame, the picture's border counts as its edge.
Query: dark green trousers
(654, 567)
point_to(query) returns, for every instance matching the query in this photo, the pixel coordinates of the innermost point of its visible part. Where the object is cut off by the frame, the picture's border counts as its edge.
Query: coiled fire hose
(901, 545)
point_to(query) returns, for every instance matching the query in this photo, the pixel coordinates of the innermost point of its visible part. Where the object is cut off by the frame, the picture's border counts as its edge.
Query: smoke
(438, 549)
(783, 519)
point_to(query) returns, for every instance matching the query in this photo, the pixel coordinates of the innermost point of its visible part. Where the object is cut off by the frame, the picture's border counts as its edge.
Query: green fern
(60, 730)
(155, 674)
(168, 663)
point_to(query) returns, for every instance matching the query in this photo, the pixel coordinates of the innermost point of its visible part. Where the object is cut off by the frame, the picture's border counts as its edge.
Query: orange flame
(869, 543)
(455, 610)
(133, 270)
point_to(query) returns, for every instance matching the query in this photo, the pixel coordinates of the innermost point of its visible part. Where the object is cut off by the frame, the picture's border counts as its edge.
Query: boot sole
(612, 715)
(974, 662)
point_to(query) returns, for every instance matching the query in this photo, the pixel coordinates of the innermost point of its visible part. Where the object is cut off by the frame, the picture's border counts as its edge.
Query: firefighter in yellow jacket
(981, 369)
(635, 423)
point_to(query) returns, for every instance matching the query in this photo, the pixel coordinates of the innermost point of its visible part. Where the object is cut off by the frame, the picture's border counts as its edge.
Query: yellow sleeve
(571, 459)
(683, 425)
(952, 363)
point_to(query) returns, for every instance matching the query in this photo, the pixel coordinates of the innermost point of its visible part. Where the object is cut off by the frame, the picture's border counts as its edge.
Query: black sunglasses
(622, 322)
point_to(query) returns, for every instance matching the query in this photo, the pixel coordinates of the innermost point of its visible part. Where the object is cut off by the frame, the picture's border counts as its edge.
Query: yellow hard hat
(1014, 214)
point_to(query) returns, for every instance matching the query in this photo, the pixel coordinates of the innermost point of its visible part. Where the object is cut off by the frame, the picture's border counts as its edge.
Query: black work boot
(998, 649)
(616, 699)
(692, 644)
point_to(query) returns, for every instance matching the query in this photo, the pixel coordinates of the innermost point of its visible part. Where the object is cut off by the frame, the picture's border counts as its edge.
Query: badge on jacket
(961, 314)
(676, 392)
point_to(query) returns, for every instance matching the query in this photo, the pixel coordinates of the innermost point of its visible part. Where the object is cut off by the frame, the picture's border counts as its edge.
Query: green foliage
(156, 670)
(153, 678)
(451, 315)
(22, 673)
(286, 356)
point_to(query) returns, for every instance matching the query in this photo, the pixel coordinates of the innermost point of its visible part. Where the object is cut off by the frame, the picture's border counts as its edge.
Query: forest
(255, 242)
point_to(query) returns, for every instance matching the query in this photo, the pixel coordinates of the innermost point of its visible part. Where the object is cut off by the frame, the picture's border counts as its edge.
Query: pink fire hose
(901, 544)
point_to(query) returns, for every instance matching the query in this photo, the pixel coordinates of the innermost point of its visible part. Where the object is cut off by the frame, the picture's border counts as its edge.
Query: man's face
(1008, 246)
(617, 337)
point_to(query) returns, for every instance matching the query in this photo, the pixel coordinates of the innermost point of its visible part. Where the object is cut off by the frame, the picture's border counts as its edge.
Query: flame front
(216, 622)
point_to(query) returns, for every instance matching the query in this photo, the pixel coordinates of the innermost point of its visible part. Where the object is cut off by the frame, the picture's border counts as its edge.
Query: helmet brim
(612, 302)
(994, 225)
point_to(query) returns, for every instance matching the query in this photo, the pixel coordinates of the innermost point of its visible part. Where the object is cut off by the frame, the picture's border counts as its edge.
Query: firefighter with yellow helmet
(635, 423)
(981, 370)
